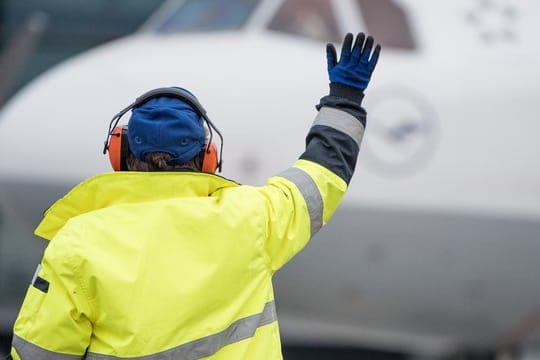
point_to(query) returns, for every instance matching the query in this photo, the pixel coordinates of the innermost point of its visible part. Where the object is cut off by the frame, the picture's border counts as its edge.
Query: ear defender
(119, 148)
(210, 159)
(117, 143)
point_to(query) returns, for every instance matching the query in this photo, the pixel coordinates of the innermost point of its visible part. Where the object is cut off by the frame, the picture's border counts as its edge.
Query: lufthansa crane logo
(402, 132)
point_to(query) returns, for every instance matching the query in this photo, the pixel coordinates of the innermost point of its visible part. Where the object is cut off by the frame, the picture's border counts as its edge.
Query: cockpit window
(314, 19)
(385, 20)
(388, 23)
(209, 15)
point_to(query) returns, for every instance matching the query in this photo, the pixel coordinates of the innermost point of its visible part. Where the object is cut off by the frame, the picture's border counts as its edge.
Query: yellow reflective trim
(312, 196)
(27, 350)
(208, 345)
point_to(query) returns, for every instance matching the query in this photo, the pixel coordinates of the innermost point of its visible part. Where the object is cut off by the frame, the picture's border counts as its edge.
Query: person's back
(178, 264)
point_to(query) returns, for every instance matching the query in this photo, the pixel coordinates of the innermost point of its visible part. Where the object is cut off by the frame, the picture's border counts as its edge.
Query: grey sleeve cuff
(345, 98)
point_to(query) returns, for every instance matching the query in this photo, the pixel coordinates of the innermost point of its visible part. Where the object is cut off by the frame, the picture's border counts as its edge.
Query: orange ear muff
(118, 148)
(210, 159)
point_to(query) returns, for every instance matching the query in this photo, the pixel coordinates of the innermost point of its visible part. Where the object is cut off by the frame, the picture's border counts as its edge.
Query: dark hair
(159, 161)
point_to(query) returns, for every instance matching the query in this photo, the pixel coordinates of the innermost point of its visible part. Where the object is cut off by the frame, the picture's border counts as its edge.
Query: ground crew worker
(170, 261)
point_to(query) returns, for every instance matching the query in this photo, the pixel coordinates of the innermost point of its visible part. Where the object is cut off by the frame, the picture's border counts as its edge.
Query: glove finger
(346, 48)
(357, 47)
(374, 57)
(367, 49)
(331, 56)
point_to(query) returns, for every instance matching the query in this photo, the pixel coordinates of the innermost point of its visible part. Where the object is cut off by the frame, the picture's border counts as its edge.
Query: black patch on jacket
(41, 284)
(332, 149)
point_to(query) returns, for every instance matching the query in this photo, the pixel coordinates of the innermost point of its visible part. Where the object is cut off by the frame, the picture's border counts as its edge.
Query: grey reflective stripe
(311, 194)
(27, 351)
(209, 345)
(342, 121)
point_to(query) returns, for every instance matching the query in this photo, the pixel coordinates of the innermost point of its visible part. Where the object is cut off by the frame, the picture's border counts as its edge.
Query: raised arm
(316, 183)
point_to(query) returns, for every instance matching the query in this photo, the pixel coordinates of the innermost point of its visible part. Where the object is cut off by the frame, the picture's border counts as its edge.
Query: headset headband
(176, 93)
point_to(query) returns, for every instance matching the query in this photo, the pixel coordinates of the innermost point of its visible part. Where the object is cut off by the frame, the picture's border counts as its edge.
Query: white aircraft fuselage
(436, 244)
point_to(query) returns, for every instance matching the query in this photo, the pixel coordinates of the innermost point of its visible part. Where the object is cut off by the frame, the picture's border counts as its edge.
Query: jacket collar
(110, 189)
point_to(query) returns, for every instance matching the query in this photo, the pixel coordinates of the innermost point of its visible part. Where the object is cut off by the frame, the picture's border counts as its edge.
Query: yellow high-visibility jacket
(178, 265)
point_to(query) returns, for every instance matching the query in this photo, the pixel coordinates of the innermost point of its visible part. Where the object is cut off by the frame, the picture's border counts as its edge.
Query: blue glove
(355, 66)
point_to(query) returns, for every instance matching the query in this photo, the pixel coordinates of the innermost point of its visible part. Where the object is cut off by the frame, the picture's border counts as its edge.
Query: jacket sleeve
(304, 197)
(53, 322)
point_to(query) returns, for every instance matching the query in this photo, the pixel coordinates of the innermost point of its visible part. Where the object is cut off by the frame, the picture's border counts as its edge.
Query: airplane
(435, 249)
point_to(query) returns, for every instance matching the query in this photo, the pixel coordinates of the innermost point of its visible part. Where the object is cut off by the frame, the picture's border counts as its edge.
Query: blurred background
(35, 36)
(59, 29)
(434, 251)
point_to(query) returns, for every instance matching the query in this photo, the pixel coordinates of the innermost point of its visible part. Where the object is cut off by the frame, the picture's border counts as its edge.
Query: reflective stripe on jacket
(175, 265)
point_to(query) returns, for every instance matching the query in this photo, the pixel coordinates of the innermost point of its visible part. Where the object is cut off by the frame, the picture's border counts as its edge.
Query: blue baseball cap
(166, 124)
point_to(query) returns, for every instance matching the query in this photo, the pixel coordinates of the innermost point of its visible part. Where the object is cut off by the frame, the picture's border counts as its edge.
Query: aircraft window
(313, 19)
(388, 23)
(209, 15)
